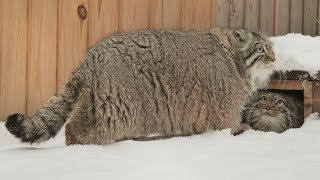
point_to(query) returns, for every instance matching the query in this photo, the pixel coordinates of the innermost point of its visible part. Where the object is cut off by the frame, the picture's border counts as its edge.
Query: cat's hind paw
(70, 138)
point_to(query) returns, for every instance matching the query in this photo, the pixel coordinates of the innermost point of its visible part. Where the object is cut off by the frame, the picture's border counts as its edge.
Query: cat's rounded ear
(240, 35)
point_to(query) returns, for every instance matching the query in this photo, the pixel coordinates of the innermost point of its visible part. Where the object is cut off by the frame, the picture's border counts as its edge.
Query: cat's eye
(280, 103)
(263, 99)
(260, 50)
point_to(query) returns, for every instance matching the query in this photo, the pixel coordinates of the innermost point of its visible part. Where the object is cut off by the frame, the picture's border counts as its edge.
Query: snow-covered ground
(292, 155)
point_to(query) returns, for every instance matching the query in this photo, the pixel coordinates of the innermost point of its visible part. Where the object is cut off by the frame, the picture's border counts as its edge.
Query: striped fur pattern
(273, 111)
(164, 82)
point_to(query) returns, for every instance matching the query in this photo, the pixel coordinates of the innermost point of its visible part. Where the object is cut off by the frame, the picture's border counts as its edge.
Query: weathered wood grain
(196, 15)
(252, 15)
(136, 15)
(103, 19)
(296, 16)
(155, 11)
(267, 14)
(72, 38)
(310, 17)
(316, 96)
(236, 18)
(13, 57)
(308, 98)
(172, 14)
(213, 13)
(222, 13)
(282, 17)
(42, 52)
(285, 85)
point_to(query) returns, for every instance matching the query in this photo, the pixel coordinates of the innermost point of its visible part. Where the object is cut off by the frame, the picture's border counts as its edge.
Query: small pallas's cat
(163, 82)
(273, 111)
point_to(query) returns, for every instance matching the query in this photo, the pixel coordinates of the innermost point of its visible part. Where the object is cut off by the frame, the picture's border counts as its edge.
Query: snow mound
(291, 155)
(295, 51)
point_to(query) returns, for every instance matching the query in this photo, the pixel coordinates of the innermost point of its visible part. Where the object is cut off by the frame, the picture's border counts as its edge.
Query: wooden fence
(41, 41)
(275, 17)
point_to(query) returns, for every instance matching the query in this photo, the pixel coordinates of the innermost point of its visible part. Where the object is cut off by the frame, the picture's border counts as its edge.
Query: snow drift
(297, 52)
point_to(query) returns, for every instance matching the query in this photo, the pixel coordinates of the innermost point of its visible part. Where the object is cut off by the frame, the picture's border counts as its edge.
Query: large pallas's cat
(163, 82)
(274, 111)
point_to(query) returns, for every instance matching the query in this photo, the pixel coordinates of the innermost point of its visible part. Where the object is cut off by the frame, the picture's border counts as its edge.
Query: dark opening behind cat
(274, 111)
(163, 82)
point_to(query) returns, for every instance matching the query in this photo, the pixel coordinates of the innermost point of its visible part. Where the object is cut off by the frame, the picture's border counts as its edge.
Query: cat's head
(254, 55)
(252, 51)
(270, 111)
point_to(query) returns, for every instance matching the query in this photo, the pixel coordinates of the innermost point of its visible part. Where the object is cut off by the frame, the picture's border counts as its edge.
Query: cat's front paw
(240, 129)
(14, 124)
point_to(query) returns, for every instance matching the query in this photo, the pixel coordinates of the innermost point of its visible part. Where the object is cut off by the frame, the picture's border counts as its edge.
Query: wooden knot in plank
(82, 12)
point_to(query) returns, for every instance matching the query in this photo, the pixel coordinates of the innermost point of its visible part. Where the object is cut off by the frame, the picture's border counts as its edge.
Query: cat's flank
(273, 111)
(163, 82)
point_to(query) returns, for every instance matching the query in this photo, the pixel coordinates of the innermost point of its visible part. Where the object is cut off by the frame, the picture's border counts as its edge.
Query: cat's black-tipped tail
(51, 117)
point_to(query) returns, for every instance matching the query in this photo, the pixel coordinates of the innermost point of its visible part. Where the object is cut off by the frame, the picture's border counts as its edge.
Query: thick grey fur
(154, 82)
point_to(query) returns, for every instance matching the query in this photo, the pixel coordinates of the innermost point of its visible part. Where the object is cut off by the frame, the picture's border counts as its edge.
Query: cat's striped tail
(51, 117)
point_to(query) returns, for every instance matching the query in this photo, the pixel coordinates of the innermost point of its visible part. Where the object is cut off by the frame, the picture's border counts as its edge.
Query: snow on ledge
(295, 51)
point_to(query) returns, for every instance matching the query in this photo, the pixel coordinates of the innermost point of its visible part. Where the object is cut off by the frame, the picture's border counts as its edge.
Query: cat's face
(254, 48)
(254, 51)
(268, 111)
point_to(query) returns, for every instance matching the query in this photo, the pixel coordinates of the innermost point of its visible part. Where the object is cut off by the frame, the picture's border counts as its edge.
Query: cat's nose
(271, 57)
(268, 106)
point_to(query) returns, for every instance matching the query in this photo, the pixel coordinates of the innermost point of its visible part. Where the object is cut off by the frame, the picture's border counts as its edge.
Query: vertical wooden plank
(310, 17)
(251, 15)
(308, 98)
(135, 15)
(155, 11)
(236, 19)
(103, 19)
(296, 16)
(316, 96)
(267, 16)
(222, 13)
(196, 15)
(282, 17)
(213, 13)
(13, 57)
(172, 14)
(42, 52)
(72, 37)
